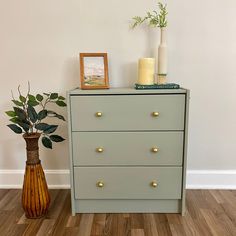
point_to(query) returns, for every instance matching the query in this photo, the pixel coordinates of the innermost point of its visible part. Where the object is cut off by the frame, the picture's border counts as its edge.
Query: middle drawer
(127, 148)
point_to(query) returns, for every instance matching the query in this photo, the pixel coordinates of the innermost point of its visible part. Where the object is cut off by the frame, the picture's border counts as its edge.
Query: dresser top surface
(127, 91)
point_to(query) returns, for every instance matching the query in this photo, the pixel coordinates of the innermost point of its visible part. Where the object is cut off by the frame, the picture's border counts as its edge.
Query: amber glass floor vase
(35, 195)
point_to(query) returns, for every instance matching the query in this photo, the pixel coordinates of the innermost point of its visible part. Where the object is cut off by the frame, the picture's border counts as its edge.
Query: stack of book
(157, 86)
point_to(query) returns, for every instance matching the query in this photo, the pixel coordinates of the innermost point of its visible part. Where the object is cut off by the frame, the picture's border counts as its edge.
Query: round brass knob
(98, 114)
(154, 184)
(99, 149)
(155, 114)
(100, 184)
(155, 149)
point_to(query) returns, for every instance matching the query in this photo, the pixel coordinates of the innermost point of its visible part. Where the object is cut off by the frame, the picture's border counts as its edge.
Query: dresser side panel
(187, 100)
(73, 207)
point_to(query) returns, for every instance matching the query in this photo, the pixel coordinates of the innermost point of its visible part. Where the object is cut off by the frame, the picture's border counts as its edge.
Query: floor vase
(35, 195)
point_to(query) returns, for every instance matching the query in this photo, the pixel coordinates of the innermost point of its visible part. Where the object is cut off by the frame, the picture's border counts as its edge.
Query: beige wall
(40, 42)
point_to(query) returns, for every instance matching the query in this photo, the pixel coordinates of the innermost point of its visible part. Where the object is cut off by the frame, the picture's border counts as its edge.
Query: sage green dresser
(128, 150)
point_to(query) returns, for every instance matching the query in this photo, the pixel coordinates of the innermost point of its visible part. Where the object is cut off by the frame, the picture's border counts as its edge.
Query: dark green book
(157, 86)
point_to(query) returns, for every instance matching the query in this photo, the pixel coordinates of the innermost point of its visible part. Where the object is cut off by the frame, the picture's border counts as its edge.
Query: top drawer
(127, 112)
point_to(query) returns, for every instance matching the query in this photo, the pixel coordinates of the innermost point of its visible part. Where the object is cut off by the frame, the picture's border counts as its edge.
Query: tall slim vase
(162, 58)
(35, 195)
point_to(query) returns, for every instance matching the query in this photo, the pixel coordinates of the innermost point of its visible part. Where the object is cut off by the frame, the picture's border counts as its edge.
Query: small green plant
(25, 119)
(153, 18)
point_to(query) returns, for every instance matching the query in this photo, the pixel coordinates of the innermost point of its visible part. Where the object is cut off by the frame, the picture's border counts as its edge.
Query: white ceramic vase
(162, 57)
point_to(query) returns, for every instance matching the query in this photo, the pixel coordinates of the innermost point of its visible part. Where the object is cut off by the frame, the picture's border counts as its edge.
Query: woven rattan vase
(35, 195)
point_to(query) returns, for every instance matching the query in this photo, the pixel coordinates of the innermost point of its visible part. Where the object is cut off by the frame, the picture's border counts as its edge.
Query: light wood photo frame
(94, 71)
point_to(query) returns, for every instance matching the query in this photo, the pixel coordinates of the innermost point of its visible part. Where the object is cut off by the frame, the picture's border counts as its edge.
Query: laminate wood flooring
(209, 212)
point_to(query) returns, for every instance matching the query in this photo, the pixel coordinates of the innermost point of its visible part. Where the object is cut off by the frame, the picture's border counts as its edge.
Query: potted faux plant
(27, 118)
(157, 19)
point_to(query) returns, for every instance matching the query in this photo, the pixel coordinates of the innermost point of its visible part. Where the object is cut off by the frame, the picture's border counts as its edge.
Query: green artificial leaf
(42, 126)
(50, 129)
(24, 125)
(20, 113)
(54, 96)
(14, 120)
(47, 142)
(60, 117)
(11, 113)
(33, 103)
(42, 114)
(61, 98)
(32, 114)
(17, 103)
(47, 129)
(15, 128)
(56, 138)
(31, 97)
(22, 99)
(47, 94)
(39, 97)
(61, 103)
(54, 114)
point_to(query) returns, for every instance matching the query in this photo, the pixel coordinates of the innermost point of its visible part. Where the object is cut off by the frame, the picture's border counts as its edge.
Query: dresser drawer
(127, 148)
(127, 112)
(127, 182)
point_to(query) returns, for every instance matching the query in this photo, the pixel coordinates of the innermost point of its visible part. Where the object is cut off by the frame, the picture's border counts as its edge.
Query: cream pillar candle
(146, 70)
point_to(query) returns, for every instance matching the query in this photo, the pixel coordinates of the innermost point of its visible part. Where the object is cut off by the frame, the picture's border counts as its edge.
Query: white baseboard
(211, 179)
(56, 179)
(60, 179)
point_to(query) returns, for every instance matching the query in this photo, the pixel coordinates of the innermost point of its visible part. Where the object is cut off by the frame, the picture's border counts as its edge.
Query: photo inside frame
(94, 71)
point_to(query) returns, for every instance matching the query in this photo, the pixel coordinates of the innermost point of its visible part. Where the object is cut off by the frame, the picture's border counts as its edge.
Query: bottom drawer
(128, 182)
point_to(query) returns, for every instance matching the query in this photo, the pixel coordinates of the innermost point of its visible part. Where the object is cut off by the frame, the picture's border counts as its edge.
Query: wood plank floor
(209, 212)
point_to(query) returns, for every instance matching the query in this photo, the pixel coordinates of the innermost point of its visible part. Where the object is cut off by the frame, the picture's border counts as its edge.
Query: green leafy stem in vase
(25, 119)
(153, 18)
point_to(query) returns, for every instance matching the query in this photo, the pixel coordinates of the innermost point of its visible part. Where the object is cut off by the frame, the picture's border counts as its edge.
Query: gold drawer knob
(98, 114)
(155, 114)
(100, 184)
(99, 149)
(154, 184)
(155, 149)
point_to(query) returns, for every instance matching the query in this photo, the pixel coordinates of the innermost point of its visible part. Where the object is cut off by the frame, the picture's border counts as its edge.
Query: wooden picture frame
(94, 71)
